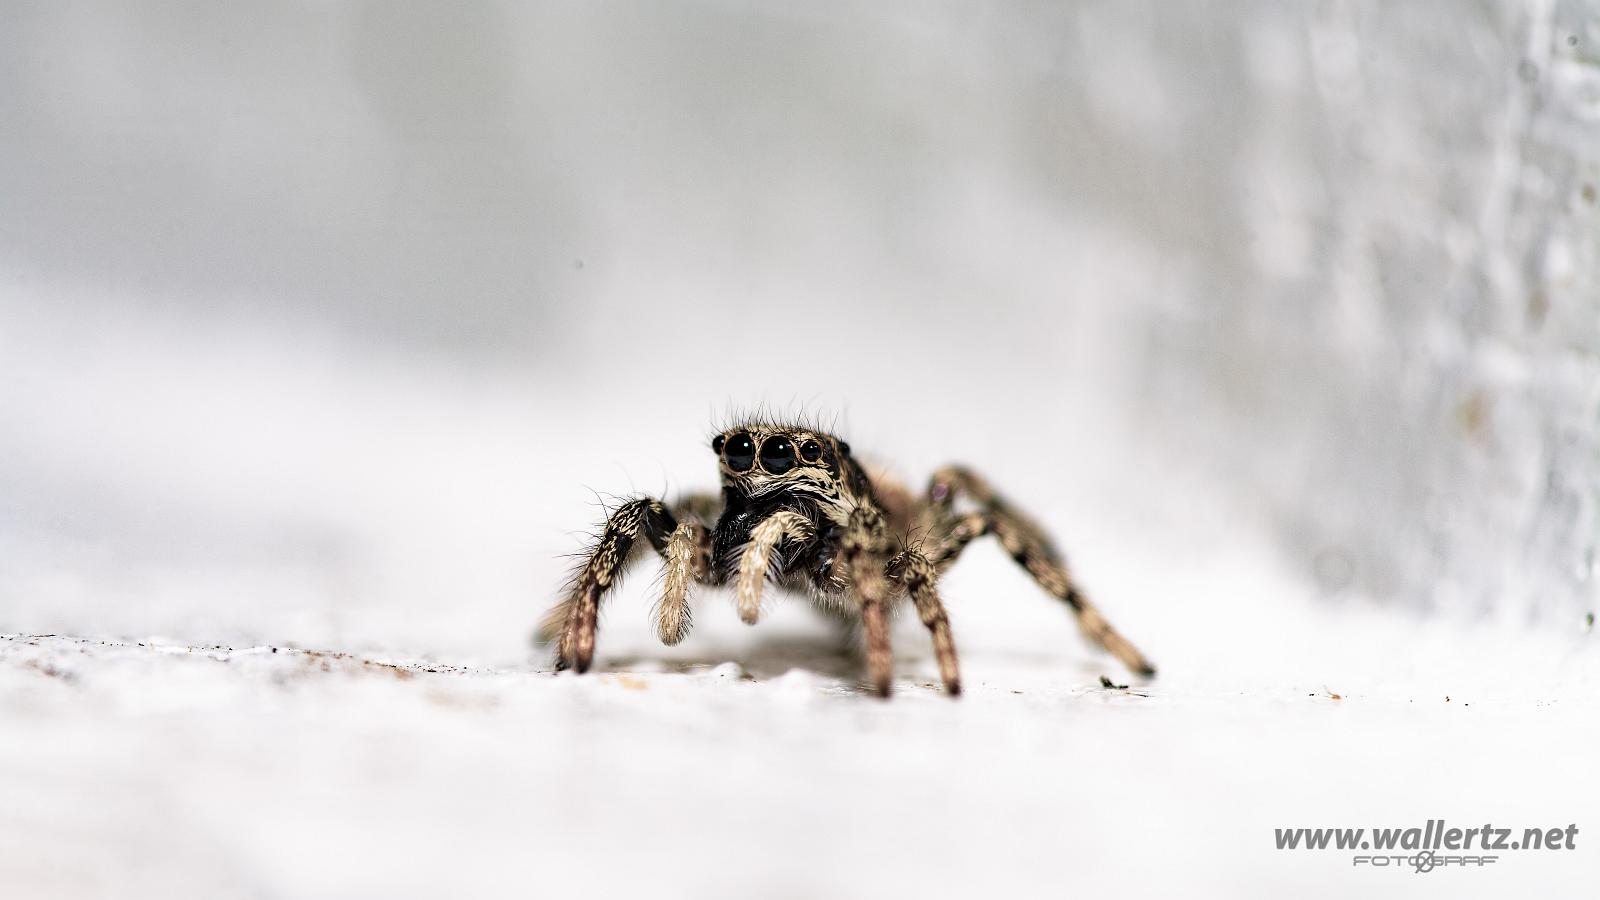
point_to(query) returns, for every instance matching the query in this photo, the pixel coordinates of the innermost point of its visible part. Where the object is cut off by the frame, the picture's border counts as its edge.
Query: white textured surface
(745, 763)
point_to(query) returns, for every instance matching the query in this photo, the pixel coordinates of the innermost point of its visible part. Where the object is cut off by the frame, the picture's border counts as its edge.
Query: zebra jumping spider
(799, 509)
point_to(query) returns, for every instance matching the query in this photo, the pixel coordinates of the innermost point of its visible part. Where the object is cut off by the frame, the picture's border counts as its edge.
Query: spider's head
(759, 460)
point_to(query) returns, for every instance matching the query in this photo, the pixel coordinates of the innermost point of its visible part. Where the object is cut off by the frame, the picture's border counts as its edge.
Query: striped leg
(572, 622)
(958, 533)
(1029, 546)
(918, 574)
(863, 554)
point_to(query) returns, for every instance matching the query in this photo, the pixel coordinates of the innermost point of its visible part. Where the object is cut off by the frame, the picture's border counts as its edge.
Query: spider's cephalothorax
(798, 508)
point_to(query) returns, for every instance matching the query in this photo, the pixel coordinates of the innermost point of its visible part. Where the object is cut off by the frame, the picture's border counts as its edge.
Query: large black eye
(811, 451)
(740, 452)
(716, 443)
(777, 455)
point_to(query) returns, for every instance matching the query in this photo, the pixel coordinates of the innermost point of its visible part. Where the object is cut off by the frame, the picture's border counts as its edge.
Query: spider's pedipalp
(688, 558)
(755, 562)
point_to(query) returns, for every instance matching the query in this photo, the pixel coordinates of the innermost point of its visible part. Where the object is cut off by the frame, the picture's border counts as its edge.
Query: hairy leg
(605, 563)
(1052, 575)
(918, 574)
(573, 621)
(863, 552)
(951, 482)
(1027, 544)
(688, 556)
(755, 561)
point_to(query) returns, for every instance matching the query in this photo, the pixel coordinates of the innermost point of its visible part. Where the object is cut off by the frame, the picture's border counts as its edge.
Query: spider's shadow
(766, 658)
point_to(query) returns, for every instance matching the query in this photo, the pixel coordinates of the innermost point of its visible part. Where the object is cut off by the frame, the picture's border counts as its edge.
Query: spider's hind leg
(1027, 543)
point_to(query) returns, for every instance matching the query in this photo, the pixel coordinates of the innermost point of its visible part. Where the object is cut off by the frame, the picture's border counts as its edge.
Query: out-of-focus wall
(300, 294)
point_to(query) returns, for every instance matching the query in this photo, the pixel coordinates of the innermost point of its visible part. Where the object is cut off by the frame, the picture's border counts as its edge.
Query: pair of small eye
(777, 453)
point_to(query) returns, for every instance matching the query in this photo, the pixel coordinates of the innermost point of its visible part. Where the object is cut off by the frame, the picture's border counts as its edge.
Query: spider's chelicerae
(799, 509)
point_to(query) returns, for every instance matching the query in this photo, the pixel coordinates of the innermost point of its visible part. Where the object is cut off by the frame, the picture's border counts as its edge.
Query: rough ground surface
(746, 762)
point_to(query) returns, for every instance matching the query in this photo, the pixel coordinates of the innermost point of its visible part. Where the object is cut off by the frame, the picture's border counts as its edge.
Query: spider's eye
(844, 448)
(777, 455)
(811, 451)
(716, 443)
(740, 452)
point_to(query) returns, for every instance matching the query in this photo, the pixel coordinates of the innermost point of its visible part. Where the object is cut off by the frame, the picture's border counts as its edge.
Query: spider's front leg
(864, 558)
(686, 549)
(1028, 545)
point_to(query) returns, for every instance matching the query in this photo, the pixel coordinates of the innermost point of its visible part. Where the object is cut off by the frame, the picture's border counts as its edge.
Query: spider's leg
(951, 482)
(957, 534)
(1028, 545)
(688, 556)
(1052, 575)
(918, 573)
(686, 551)
(864, 556)
(576, 616)
(756, 558)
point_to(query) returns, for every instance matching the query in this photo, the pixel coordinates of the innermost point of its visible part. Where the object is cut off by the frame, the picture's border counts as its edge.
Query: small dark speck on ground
(1106, 683)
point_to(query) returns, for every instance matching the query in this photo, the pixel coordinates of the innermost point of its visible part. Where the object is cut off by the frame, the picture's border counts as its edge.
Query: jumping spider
(798, 508)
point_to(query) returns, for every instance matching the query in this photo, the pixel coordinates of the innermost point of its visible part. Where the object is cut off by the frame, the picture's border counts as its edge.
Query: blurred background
(324, 314)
